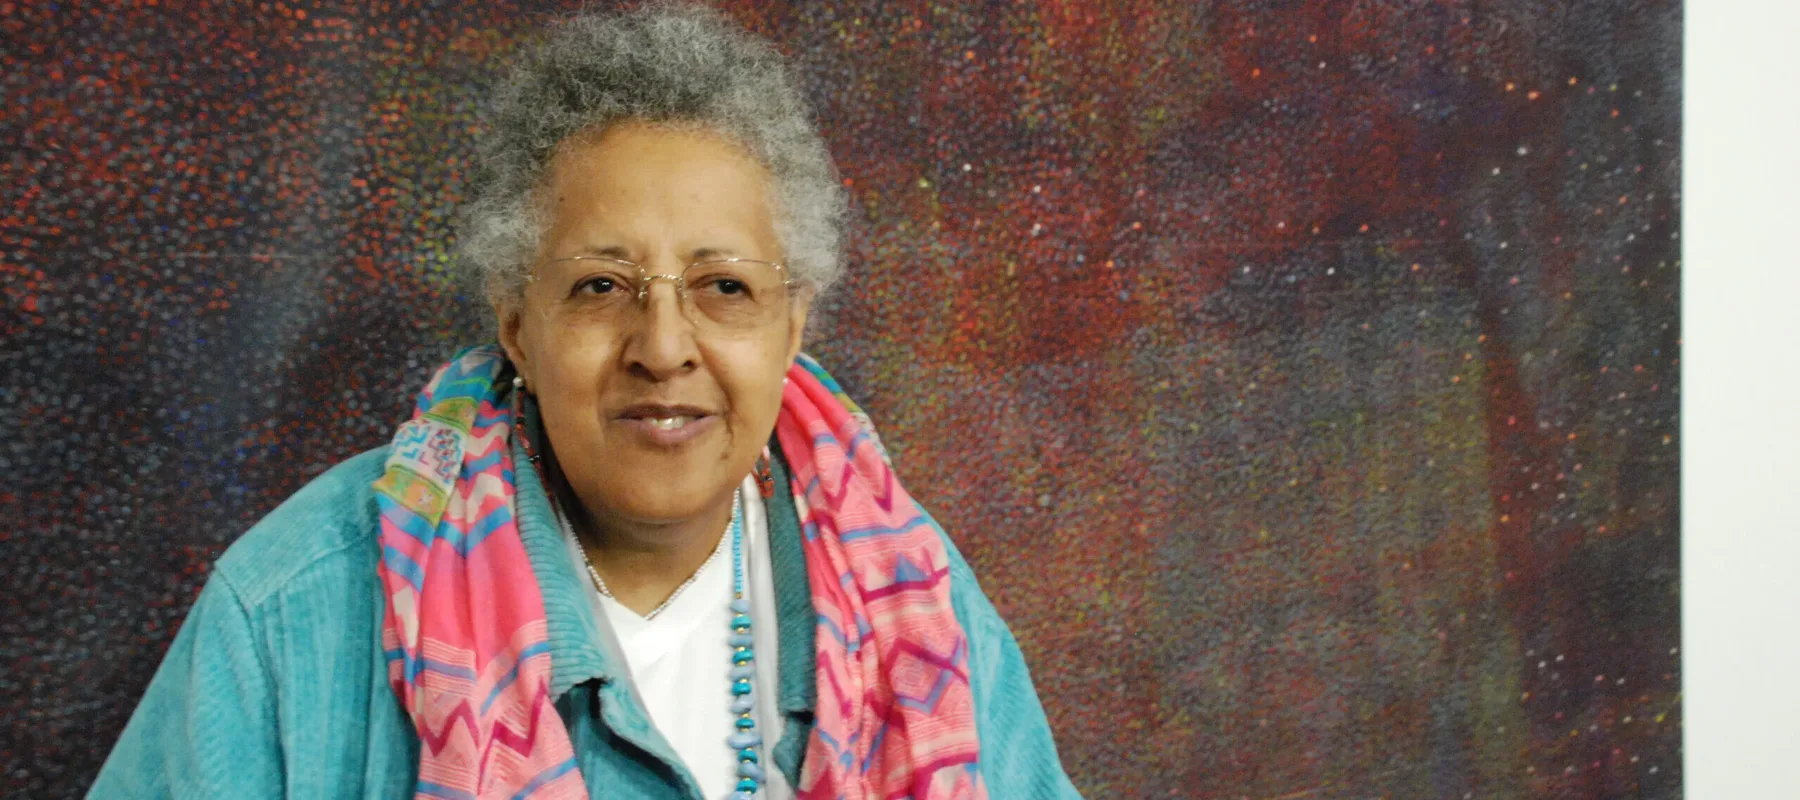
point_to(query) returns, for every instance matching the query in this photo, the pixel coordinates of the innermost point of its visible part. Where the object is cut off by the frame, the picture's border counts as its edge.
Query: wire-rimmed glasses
(721, 294)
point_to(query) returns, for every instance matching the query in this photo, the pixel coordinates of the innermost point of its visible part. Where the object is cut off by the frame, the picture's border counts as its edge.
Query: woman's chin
(665, 487)
(661, 504)
(649, 475)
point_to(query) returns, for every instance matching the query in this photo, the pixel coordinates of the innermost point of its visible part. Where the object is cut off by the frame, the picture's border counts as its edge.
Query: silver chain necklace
(737, 503)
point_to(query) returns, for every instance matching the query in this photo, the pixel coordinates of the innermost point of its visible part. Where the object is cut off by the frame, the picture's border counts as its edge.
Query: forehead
(634, 173)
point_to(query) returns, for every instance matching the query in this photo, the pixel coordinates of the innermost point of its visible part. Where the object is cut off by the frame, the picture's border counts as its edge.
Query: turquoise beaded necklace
(745, 740)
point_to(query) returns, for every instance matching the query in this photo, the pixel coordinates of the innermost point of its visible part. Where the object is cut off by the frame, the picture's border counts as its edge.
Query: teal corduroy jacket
(276, 684)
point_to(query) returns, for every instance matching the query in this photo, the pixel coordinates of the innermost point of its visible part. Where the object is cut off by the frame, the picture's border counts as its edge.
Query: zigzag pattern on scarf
(453, 633)
(895, 711)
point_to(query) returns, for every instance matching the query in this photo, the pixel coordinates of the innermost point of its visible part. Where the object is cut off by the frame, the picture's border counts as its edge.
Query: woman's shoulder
(333, 523)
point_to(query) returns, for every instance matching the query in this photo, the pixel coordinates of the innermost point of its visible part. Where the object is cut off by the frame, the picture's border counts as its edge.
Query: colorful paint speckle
(1301, 378)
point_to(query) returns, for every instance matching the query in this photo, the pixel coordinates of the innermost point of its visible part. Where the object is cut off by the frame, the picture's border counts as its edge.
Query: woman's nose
(662, 340)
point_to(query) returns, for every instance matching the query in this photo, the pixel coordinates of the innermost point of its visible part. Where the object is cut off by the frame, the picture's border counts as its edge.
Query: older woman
(641, 548)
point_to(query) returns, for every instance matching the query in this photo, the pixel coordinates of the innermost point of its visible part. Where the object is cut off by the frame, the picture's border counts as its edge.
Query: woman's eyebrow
(705, 253)
(623, 253)
(609, 251)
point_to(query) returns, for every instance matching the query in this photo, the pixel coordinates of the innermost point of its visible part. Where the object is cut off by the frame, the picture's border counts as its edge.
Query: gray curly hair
(664, 63)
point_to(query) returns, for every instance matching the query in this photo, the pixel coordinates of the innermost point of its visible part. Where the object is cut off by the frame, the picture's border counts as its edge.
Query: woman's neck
(644, 563)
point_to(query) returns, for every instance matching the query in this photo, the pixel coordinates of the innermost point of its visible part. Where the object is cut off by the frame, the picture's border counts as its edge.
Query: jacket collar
(795, 622)
(576, 651)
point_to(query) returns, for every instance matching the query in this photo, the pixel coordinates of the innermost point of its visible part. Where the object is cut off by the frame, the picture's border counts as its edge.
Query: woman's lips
(668, 431)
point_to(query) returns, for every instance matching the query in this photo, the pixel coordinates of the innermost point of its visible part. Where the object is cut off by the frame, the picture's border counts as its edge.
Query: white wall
(1741, 400)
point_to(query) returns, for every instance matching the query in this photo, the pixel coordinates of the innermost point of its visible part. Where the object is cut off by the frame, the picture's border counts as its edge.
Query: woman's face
(610, 387)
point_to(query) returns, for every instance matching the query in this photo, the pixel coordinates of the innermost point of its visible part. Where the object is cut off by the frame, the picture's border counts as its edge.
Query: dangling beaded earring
(765, 480)
(518, 415)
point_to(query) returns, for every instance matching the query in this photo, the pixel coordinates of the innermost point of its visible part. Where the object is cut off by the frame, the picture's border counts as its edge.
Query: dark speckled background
(1300, 377)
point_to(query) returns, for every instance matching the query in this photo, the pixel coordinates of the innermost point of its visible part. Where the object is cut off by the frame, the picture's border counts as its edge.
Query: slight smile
(666, 425)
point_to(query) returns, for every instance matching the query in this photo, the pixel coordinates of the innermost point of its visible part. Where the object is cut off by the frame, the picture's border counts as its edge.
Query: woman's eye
(721, 284)
(598, 286)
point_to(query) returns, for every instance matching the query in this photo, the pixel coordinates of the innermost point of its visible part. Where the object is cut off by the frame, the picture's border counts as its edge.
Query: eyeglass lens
(730, 295)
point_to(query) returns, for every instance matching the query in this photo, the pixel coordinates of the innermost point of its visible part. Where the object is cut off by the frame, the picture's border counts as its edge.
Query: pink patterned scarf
(468, 649)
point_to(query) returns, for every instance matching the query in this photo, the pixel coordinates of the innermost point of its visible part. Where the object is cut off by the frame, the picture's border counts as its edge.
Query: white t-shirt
(680, 661)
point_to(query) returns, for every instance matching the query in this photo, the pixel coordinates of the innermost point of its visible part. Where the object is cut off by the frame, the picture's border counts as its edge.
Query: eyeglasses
(721, 294)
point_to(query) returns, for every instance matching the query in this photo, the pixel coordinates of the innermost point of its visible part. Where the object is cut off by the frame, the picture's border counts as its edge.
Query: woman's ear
(797, 315)
(513, 336)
